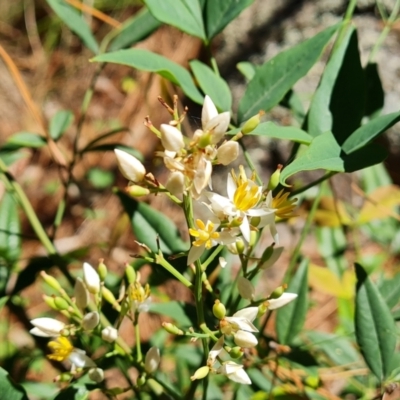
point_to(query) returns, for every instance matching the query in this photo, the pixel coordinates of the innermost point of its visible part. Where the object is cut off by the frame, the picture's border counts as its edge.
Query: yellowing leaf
(324, 280)
(380, 203)
(332, 213)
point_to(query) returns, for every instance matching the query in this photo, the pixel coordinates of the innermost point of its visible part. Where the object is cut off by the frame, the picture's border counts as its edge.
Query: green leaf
(183, 14)
(75, 392)
(375, 327)
(9, 157)
(213, 85)
(75, 21)
(292, 133)
(390, 290)
(174, 310)
(290, 318)
(338, 103)
(369, 131)
(148, 224)
(147, 61)
(10, 229)
(24, 139)
(219, 13)
(100, 178)
(247, 69)
(277, 76)
(60, 123)
(325, 153)
(135, 29)
(10, 390)
(375, 96)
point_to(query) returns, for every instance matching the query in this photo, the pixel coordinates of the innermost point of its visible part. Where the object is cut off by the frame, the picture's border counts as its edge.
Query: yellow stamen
(246, 196)
(204, 233)
(283, 205)
(61, 348)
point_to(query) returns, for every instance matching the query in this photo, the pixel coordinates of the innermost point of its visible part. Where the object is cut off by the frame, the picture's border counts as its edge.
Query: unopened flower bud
(275, 177)
(312, 381)
(219, 310)
(51, 281)
(47, 327)
(252, 123)
(171, 138)
(245, 339)
(64, 377)
(240, 246)
(96, 375)
(262, 309)
(209, 111)
(109, 334)
(171, 328)
(130, 273)
(253, 238)
(130, 167)
(60, 303)
(81, 294)
(141, 380)
(152, 360)
(278, 292)
(201, 373)
(236, 352)
(102, 270)
(246, 288)
(228, 152)
(108, 295)
(49, 300)
(90, 321)
(254, 221)
(91, 278)
(176, 183)
(137, 191)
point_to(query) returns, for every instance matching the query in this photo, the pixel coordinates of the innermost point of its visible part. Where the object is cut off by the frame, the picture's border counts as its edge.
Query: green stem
(350, 10)
(304, 233)
(388, 26)
(250, 162)
(212, 256)
(163, 262)
(139, 355)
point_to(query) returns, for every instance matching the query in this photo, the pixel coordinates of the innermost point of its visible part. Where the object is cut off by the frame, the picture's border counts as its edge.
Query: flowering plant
(209, 293)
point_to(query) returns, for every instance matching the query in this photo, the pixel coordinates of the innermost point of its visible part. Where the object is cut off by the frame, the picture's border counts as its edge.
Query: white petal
(91, 278)
(245, 229)
(276, 253)
(49, 326)
(274, 232)
(281, 301)
(152, 360)
(246, 288)
(80, 359)
(208, 112)
(130, 166)
(215, 351)
(235, 372)
(39, 332)
(195, 253)
(231, 187)
(90, 321)
(109, 334)
(240, 323)
(176, 183)
(171, 138)
(245, 339)
(222, 262)
(218, 126)
(249, 313)
(228, 152)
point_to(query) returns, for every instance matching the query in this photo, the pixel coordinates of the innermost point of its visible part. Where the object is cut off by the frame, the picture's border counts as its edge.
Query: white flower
(91, 278)
(244, 202)
(90, 321)
(281, 301)
(130, 166)
(109, 334)
(246, 288)
(171, 138)
(234, 372)
(241, 320)
(215, 351)
(46, 327)
(176, 183)
(152, 360)
(228, 152)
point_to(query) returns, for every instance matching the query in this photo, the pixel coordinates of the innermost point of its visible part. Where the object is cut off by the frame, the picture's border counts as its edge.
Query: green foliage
(9, 390)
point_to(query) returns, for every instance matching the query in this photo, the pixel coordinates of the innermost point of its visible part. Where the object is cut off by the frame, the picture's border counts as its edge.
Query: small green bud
(96, 375)
(204, 141)
(51, 281)
(255, 221)
(130, 273)
(110, 298)
(278, 292)
(236, 352)
(253, 238)
(201, 373)
(219, 310)
(262, 309)
(171, 328)
(267, 253)
(49, 300)
(102, 270)
(141, 380)
(240, 246)
(252, 123)
(312, 381)
(137, 191)
(60, 303)
(64, 377)
(274, 180)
